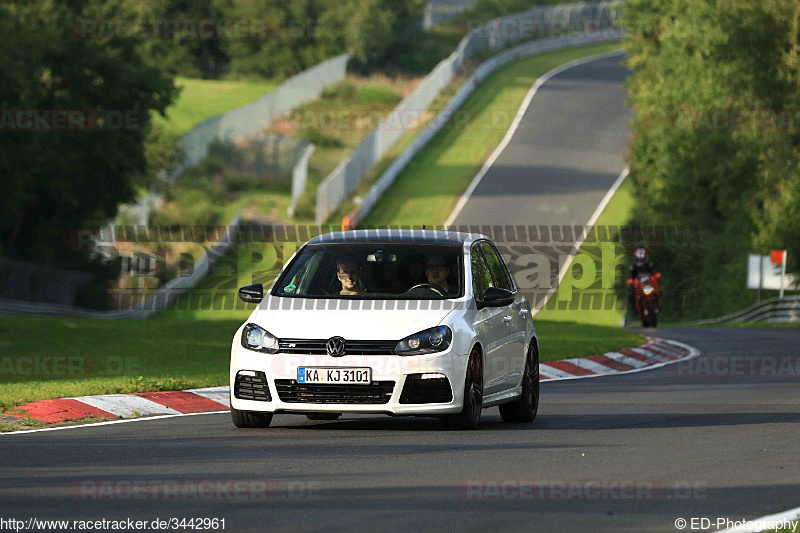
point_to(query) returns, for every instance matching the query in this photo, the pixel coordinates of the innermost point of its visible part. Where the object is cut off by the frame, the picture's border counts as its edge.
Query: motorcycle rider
(641, 264)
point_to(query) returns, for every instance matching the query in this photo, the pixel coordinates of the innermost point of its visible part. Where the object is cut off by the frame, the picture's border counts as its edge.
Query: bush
(345, 91)
(320, 138)
(187, 207)
(375, 94)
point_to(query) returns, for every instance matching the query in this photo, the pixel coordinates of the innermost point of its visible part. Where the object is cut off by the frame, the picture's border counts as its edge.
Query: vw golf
(397, 322)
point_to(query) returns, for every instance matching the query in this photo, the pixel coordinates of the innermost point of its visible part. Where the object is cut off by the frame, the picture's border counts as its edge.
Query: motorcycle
(647, 298)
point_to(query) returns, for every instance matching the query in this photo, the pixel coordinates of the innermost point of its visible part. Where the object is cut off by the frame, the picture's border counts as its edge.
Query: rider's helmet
(640, 257)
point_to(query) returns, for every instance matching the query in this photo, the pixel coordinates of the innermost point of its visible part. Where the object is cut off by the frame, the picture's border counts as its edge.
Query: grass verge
(576, 306)
(558, 339)
(61, 357)
(125, 356)
(200, 100)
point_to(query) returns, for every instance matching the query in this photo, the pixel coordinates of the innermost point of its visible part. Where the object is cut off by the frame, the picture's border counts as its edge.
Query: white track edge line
(512, 129)
(109, 422)
(790, 515)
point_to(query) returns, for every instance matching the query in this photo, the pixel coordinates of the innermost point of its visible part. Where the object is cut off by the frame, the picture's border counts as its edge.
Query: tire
(323, 416)
(526, 407)
(249, 419)
(470, 414)
(651, 315)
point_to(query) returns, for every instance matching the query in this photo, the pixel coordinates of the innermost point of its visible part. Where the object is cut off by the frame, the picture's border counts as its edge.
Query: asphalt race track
(565, 154)
(678, 441)
(715, 436)
(561, 161)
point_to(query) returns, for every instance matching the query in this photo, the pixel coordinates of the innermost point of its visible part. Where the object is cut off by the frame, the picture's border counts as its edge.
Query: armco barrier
(255, 116)
(300, 177)
(785, 309)
(161, 299)
(492, 36)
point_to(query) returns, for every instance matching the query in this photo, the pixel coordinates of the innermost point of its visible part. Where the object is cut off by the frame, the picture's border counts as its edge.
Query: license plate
(353, 376)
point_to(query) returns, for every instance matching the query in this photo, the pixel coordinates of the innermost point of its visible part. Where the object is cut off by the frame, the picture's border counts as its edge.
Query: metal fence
(255, 116)
(540, 22)
(438, 11)
(300, 177)
(269, 158)
(159, 300)
(21, 280)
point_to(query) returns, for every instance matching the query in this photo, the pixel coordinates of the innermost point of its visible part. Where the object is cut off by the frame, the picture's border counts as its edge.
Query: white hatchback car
(398, 322)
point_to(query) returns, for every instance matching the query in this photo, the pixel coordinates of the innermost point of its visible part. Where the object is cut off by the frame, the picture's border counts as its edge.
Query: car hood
(351, 320)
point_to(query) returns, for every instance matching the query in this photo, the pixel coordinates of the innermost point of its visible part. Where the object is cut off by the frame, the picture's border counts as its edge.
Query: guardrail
(492, 36)
(159, 300)
(300, 177)
(785, 309)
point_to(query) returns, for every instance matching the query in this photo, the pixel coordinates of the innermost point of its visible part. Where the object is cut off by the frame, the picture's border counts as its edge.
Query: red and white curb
(112, 406)
(653, 354)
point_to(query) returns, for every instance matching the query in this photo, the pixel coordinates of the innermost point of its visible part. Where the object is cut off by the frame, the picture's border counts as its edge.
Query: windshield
(374, 271)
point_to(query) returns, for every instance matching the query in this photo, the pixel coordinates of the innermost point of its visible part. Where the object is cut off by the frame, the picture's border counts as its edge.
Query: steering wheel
(431, 286)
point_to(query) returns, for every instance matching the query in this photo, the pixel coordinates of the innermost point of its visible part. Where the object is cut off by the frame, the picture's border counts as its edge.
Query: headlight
(428, 341)
(258, 339)
(647, 289)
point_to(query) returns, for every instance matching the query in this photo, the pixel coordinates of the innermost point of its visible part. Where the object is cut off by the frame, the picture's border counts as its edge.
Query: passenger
(349, 275)
(437, 272)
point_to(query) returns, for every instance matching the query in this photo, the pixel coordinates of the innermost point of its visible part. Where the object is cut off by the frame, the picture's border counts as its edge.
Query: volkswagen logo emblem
(335, 346)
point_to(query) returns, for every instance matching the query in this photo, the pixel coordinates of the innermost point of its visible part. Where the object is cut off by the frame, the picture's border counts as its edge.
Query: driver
(437, 272)
(349, 275)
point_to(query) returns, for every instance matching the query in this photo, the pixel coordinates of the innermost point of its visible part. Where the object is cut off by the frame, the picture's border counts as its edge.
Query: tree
(93, 95)
(711, 78)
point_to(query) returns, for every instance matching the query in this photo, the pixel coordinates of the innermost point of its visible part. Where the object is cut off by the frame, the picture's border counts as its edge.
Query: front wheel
(652, 316)
(526, 407)
(249, 419)
(470, 414)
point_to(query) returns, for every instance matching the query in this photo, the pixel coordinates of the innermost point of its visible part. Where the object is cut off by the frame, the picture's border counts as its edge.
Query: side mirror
(658, 275)
(496, 297)
(252, 294)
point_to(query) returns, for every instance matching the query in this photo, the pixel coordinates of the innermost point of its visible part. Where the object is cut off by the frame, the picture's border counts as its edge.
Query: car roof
(420, 236)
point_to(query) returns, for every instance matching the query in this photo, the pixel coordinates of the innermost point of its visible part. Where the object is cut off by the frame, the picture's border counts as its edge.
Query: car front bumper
(282, 368)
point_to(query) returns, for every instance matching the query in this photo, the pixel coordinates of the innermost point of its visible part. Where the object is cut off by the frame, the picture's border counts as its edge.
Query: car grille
(317, 346)
(252, 387)
(417, 390)
(291, 391)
